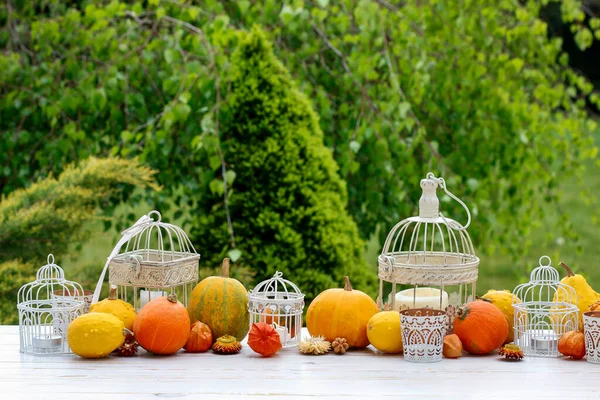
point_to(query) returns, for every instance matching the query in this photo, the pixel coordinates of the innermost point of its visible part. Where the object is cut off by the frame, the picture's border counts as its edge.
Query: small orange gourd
(200, 340)
(264, 339)
(162, 326)
(480, 326)
(572, 344)
(341, 313)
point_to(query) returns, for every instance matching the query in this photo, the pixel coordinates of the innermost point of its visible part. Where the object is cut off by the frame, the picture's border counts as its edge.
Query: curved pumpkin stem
(347, 284)
(567, 268)
(225, 268)
(112, 295)
(484, 299)
(172, 298)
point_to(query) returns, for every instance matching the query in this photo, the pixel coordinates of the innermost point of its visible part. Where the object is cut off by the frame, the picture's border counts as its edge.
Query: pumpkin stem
(567, 268)
(347, 284)
(172, 298)
(127, 332)
(112, 295)
(462, 312)
(483, 299)
(225, 268)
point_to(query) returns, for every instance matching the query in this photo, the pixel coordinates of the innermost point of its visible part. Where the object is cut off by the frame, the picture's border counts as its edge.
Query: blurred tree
(51, 214)
(473, 90)
(287, 211)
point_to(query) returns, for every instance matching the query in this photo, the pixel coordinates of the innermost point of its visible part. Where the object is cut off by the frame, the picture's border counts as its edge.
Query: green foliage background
(472, 90)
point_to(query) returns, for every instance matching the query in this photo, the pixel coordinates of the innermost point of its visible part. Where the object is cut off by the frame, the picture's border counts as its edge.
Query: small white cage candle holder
(430, 253)
(152, 259)
(423, 331)
(545, 309)
(44, 317)
(591, 330)
(278, 301)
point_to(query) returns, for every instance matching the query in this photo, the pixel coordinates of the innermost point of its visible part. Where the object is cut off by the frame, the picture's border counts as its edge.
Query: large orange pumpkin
(481, 327)
(221, 303)
(162, 326)
(341, 313)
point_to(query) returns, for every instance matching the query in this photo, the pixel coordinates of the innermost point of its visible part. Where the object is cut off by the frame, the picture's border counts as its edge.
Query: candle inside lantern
(149, 295)
(47, 341)
(283, 333)
(546, 340)
(421, 298)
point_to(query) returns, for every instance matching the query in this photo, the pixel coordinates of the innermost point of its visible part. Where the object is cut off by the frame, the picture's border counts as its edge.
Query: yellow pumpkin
(341, 313)
(221, 303)
(384, 332)
(119, 308)
(503, 299)
(95, 335)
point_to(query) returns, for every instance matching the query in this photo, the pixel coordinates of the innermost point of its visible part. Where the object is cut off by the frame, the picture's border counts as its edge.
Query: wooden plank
(357, 374)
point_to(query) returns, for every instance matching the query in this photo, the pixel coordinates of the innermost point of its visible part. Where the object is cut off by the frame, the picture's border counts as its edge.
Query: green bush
(286, 202)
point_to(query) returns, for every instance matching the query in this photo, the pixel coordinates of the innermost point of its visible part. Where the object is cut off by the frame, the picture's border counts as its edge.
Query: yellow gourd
(119, 308)
(341, 313)
(503, 299)
(95, 335)
(586, 296)
(384, 332)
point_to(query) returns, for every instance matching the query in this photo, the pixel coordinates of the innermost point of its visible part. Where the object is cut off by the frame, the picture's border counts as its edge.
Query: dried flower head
(314, 345)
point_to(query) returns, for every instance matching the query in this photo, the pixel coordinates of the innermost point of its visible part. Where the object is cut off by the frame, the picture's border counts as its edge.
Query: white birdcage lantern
(545, 309)
(278, 301)
(152, 259)
(46, 308)
(431, 254)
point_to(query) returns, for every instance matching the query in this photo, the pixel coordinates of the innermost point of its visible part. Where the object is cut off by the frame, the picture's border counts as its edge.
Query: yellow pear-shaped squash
(384, 332)
(586, 296)
(503, 299)
(95, 335)
(119, 308)
(341, 313)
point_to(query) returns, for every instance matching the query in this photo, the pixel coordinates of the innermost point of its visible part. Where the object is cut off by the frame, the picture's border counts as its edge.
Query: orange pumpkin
(200, 340)
(341, 313)
(480, 326)
(162, 326)
(572, 344)
(264, 339)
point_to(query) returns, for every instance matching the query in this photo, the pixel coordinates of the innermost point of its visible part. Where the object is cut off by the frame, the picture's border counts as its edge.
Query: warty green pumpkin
(221, 303)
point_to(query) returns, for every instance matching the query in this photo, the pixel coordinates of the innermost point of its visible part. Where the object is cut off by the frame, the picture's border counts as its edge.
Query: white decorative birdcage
(431, 254)
(46, 308)
(545, 309)
(278, 301)
(152, 259)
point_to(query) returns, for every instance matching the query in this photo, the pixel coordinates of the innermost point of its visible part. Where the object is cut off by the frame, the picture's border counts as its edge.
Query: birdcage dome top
(429, 248)
(49, 282)
(276, 288)
(544, 286)
(156, 241)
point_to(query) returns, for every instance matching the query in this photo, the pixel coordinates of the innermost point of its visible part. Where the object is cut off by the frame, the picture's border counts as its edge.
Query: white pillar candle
(422, 297)
(149, 295)
(283, 333)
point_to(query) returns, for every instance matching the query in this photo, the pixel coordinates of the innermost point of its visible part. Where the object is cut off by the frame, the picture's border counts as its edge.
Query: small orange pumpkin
(264, 339)
(200, 340)
(453, 347)
(480, 326)
(162, 326)
(572, 344)
(341, 313)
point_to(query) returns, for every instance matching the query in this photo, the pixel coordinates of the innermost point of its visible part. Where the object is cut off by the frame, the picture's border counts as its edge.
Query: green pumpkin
(221, 303)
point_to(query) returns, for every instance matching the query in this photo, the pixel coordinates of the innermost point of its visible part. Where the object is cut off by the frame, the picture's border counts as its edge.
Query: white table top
(357, 374)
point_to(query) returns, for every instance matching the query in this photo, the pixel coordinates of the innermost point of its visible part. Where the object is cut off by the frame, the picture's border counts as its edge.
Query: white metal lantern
(430, 253)
(280, 302)
(545, 309)
(46, 308)
(152, 259)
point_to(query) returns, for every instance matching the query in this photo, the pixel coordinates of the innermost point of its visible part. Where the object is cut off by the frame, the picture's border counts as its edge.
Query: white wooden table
(357, 374)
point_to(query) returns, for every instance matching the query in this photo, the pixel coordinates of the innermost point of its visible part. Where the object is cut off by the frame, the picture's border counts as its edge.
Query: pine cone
(340, 345)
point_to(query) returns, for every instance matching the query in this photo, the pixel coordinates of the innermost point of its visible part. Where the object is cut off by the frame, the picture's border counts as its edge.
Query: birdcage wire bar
(44, 316)
(280, 302)
(429, 250)
(544, 309)
(153, 259)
